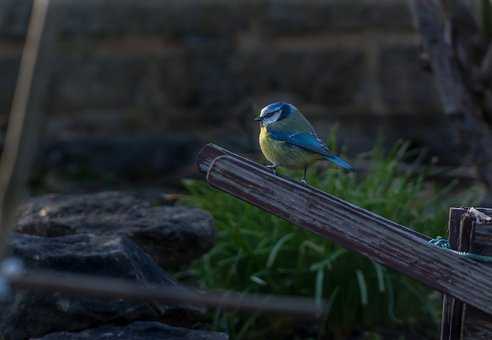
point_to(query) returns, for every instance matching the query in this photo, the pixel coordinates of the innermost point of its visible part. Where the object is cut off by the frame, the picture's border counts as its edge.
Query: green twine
(443, 243)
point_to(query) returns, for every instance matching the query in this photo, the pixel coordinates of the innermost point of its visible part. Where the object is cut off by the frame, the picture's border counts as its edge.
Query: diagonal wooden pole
(26, 117)
(354, 228)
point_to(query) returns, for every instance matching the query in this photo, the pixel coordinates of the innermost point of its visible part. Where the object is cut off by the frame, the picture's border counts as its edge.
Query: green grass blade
(328, 261)
(320, 283)
(362, 287)
(380, 275)
(276, 248)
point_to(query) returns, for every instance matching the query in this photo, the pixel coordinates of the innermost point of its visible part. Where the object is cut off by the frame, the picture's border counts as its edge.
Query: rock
(172, 235)
(118, 159)
(141, 330)
(331, 77)
(31, 314)
(300, 17)
(415, 90)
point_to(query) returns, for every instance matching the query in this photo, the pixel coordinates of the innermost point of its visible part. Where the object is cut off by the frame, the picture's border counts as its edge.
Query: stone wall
(204, 67)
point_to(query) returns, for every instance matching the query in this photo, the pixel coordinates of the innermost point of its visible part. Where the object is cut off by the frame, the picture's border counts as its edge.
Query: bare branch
(25, 120)
(110, 288)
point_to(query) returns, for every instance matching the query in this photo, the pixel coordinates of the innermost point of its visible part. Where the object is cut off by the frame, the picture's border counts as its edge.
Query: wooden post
(470, 234)
(460, 229)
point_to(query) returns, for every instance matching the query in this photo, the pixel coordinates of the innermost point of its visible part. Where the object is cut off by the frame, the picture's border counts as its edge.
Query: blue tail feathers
(340, 162)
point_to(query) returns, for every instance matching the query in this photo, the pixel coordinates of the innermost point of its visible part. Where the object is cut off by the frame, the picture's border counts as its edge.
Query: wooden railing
(458, 277)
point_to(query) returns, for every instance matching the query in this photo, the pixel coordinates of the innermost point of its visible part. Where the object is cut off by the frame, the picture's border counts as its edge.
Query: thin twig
(75, 284)
(23, 128)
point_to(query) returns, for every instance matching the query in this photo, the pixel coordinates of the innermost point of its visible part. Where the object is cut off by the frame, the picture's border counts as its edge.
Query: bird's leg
(273, 167)
(303, 180)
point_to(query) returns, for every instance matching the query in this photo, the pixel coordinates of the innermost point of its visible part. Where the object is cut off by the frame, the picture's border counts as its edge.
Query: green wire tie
(443, 243)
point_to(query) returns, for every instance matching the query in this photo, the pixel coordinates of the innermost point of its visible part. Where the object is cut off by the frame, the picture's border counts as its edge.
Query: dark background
(136, 87)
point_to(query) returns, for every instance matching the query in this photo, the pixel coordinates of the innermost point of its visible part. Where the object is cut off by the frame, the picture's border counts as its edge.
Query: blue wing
(311, 142)
(305, 140)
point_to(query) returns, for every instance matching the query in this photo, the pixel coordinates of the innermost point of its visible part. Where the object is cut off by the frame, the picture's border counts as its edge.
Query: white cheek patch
(272, 119)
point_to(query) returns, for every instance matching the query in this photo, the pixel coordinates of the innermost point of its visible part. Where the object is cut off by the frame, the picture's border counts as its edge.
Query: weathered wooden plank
(355, 228)
(211, 151)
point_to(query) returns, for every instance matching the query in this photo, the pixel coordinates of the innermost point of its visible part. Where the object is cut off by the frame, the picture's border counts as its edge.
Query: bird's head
(275, 112)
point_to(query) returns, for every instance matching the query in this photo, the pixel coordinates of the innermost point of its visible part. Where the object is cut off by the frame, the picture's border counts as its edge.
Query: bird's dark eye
(271, 113)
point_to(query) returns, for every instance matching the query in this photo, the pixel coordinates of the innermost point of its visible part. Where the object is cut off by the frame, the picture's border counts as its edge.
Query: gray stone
(138, 331)
(118, 159)
(371, 15)
(172, 235)
(86, 81)
(428, 134)
(331, 77)
(32, 314)
(295, 17)
(194, 75)
(124, 17)
(406, 87)
(183, 19)
(301, 17)
(170, 19)
(201, 78)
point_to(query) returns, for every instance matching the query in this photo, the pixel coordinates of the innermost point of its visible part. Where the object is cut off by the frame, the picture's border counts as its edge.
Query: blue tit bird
(287, 139)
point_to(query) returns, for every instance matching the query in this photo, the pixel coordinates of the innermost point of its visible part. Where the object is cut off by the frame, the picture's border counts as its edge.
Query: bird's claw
(303, 181)
(273, 167)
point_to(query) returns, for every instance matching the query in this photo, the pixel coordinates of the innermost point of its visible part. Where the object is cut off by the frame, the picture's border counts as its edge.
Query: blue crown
(284, 108)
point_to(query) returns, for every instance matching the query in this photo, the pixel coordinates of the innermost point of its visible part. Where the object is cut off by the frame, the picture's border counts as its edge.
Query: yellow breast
(283, 154)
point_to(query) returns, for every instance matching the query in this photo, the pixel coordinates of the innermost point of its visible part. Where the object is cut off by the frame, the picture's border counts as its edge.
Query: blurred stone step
(172, 235)
(138, 331)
